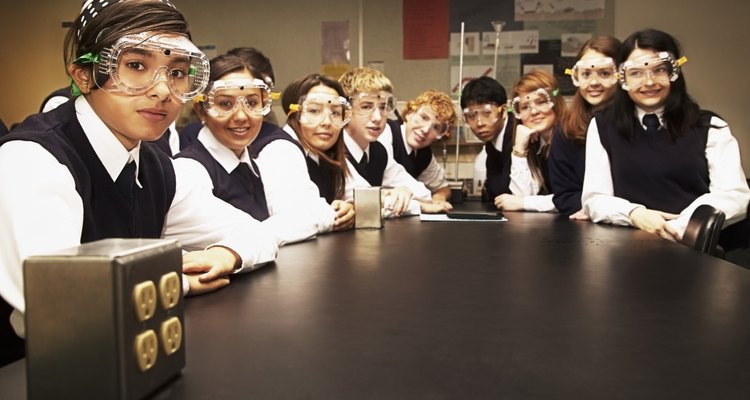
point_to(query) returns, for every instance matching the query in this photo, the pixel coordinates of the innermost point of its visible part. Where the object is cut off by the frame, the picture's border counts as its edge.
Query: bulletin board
(544, 34)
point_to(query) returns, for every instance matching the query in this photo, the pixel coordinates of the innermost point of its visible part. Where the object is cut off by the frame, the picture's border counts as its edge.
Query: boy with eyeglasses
(483, 101)
(371, 96)
(424, 120)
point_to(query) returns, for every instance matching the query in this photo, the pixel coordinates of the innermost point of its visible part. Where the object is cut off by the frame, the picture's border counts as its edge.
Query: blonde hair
(439, 102)
(360, 80)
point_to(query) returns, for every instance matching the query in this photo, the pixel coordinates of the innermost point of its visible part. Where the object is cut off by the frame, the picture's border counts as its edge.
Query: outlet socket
(171, 335)
(170, 290)
(144, 300)
(146, 350)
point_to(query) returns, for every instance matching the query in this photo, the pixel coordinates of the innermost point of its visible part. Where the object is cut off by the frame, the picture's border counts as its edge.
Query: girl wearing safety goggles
(84, 171)
(655, 156)
(595, 76)
(426, 119)
(317, 113)
(232, 110)
(538, 107)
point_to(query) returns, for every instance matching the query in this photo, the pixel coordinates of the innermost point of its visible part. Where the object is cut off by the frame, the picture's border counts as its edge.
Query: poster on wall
(471, 44)
(426, 32)
(558, 10)
(551, 60)
(335, 52)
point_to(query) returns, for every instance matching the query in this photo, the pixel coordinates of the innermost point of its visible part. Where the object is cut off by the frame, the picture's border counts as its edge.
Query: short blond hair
(360, 80)
(439, 102)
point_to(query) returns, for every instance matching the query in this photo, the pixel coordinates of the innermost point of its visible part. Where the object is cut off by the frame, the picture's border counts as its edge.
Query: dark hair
(259, 65)
(681, 112)
(117, 20)
(226, 64)
(334, 157)
(483, 90)
(577, 119)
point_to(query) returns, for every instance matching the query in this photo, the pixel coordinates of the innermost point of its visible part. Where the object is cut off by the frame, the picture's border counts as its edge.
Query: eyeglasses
(539, 100)
(318, 108)
(365, 104)
(226, 97)
(601, 70)
(662, 69)
(488, 112)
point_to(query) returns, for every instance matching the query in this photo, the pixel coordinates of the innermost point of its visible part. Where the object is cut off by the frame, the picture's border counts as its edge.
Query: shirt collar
(501, 134)
(222, 154)
(289, 130)
(112, 154)
(640, 113)
(354, 149)
(403, 138)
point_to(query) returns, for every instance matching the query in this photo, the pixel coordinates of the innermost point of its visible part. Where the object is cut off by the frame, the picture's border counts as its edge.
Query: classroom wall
(712, 33)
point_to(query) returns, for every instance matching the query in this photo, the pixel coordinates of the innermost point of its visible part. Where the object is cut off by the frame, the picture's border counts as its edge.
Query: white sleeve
(294, 203)
(395, 175)
(433, 176)
(598, 199)
(539, 203)
(728, 190)
(40, 212)
(522, 182)
(199, 220)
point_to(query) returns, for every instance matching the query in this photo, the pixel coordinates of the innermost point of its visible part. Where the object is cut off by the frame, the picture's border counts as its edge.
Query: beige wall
(713, 36)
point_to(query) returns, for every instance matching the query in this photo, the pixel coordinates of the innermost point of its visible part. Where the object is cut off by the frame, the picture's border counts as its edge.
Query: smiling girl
(654, 156)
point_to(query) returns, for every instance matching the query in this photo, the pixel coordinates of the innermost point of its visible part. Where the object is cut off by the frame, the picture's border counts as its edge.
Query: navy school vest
(240, 188)
(324, 176)
(655, 171)
(106, 212)
(414, 163)
(374, 170)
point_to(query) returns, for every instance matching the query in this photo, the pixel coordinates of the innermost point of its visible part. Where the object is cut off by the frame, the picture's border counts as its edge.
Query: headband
(92, 8)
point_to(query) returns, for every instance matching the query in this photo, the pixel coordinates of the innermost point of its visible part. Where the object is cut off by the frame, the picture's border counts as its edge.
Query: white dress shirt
(523, 184)
(42, 212)
(728, 190)
(287, 227)
(394, 175)
(289, 189)
(433, 177)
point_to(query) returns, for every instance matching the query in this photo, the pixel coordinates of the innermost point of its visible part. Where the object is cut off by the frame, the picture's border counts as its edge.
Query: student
(232, 110)
(84, 171)
(317, 112)
(371, 95)
(485, 110)
(538, 108)
(259, 66)
(654, 155)
(426, 119)
(594, 74)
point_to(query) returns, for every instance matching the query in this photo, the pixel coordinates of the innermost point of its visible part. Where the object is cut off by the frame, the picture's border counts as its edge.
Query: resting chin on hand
(208, 270)
(653, 221)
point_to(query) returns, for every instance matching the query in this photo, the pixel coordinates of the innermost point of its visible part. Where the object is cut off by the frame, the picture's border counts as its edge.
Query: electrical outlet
(146, 349)
(144, 299)
(171, 335)
(169, 289)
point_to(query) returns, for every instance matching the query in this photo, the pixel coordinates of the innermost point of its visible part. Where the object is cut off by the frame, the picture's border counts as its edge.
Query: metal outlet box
(368, 208)
(104, 320)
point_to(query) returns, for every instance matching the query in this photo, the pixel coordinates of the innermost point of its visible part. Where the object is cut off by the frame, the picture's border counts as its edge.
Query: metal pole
(460, 89)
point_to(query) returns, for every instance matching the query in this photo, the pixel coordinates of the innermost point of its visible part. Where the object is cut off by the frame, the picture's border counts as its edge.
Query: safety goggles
(316, 108)
(136, 63)
(429, 123)
(662, 69)
(539, 100)
(488, 112)
(226, 97)
(365, 104)
(601, 70)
